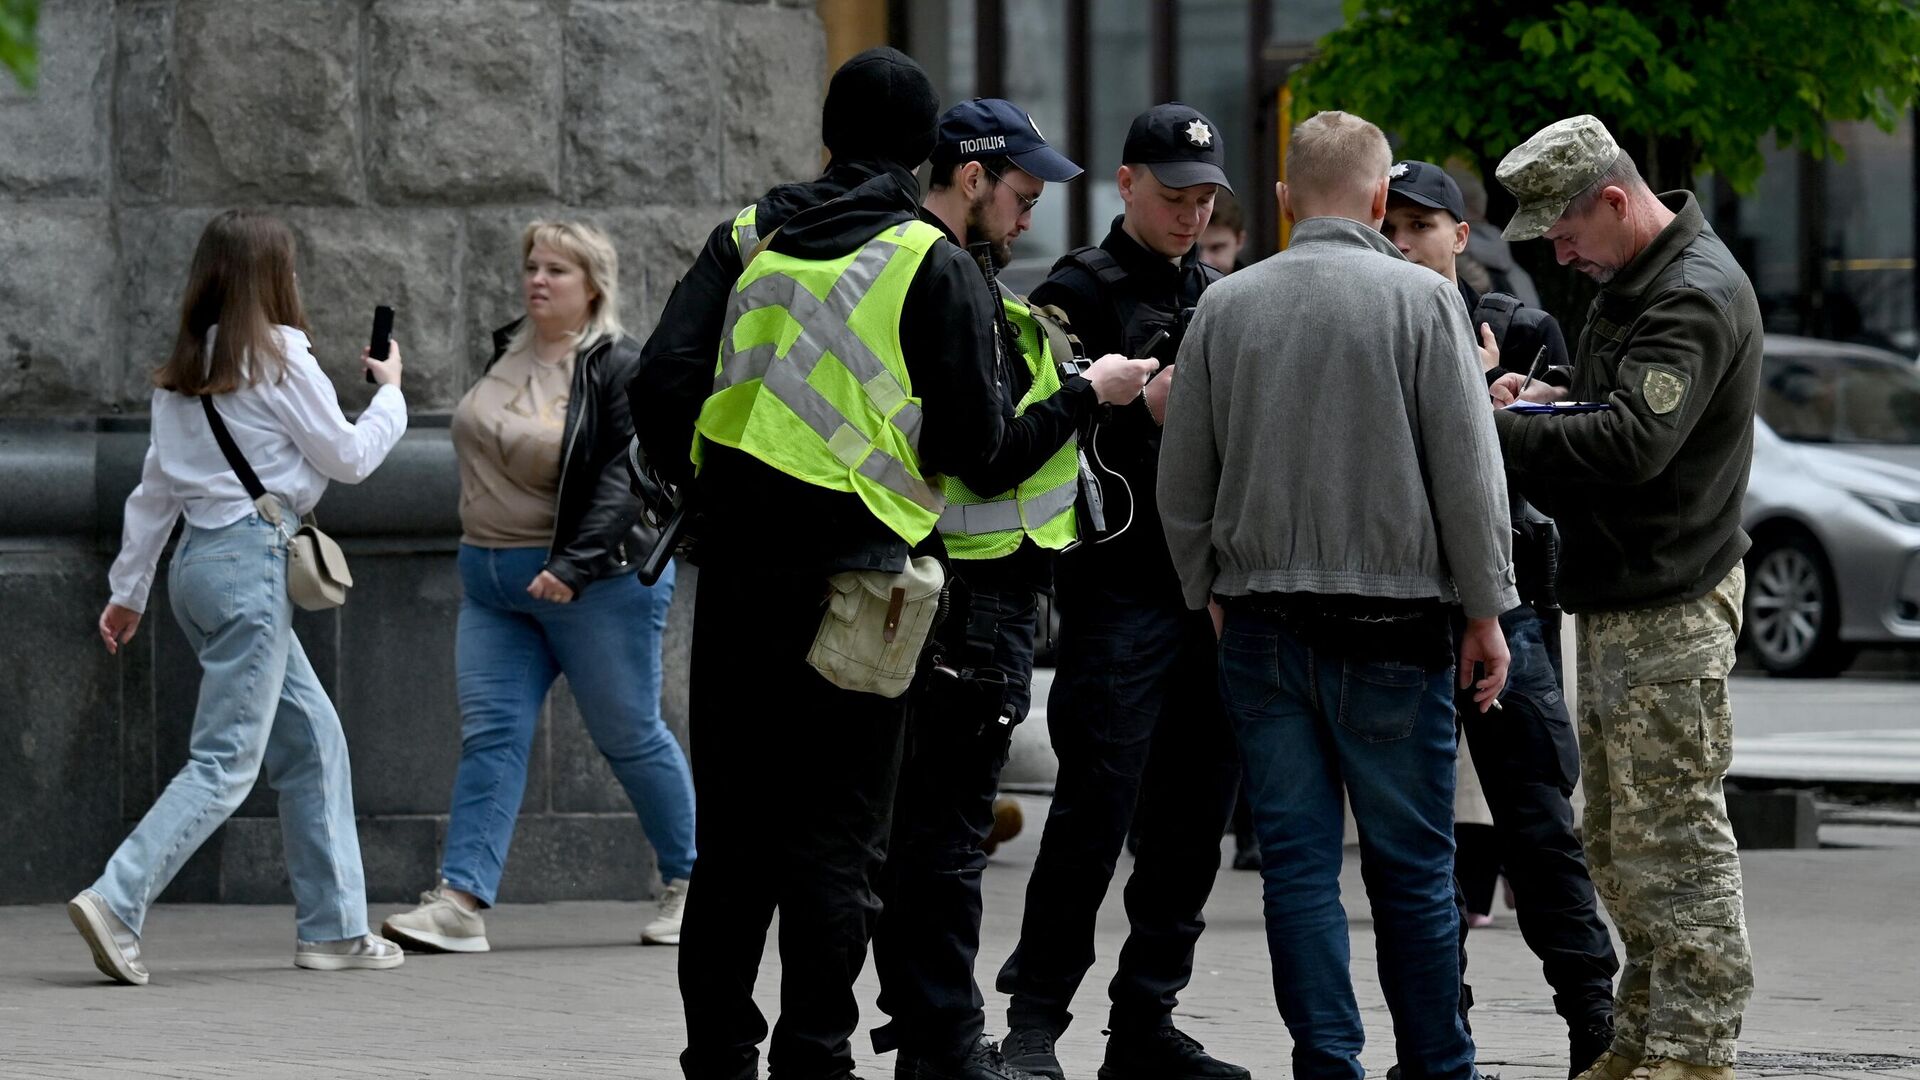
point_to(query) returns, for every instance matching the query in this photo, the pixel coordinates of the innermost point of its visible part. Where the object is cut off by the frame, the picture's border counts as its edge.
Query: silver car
(1833, 506)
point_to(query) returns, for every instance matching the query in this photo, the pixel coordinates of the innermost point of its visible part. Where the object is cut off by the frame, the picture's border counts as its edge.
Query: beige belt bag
(317, 575)
(876, 625)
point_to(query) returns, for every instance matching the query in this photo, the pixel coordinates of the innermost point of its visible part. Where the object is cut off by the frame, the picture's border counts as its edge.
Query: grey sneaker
(372, 952)
(665, 927)
(116, 948)
(439, 924)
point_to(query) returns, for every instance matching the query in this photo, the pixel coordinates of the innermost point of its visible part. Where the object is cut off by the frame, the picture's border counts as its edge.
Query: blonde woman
(547, 524)
(242, 356)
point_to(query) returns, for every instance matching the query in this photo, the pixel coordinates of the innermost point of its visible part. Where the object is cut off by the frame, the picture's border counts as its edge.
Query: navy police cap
(995, 127)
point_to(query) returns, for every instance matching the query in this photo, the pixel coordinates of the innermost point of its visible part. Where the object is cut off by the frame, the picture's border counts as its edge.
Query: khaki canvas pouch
(876, 625)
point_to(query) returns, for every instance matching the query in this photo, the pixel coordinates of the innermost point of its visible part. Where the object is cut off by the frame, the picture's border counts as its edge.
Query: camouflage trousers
(1656, 736)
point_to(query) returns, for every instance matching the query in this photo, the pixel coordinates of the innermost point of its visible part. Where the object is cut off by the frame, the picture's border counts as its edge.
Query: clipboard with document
(1548, 408)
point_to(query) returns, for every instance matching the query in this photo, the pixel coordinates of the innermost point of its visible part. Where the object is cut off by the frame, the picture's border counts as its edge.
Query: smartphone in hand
(382, 334)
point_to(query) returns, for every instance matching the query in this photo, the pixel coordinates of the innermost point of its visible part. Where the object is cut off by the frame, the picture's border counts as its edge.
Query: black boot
(983, 1062)
(1163, 1053)
(1586, 1044)
(905, 1066)
(1031, 1050)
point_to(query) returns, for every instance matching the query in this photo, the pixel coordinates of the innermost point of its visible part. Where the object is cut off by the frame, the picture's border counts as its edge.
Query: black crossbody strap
(221, 435)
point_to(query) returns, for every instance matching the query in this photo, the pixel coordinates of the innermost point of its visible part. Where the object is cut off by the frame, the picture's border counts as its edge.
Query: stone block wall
(406, 142)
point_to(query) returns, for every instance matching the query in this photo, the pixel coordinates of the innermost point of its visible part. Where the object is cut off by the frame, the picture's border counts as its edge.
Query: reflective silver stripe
(1048, 505)
(823, 328)
(1004, 515)
(745, 239)
(981, 518)
(886, 470)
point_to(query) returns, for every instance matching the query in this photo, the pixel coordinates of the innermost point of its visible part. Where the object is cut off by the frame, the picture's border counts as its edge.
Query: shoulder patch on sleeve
(1663, 390)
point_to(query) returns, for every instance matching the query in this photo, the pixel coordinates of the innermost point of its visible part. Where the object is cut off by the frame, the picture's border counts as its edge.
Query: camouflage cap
(1544, 173)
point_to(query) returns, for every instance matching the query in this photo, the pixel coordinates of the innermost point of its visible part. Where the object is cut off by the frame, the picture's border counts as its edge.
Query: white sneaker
(116, 949)
(439, 924)
(665, 927)
(369, 952)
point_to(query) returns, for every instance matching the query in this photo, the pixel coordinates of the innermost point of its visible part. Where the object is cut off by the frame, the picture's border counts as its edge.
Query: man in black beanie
(888, 382)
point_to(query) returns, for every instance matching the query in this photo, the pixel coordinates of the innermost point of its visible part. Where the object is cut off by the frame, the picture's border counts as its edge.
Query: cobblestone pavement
(567, 993)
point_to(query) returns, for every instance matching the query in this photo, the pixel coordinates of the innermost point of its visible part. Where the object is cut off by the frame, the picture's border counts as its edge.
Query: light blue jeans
(260, 704)
(510, 649)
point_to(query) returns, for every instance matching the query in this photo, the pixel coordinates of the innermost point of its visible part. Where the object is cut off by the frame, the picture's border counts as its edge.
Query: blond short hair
(591, 250)
(1335, 157)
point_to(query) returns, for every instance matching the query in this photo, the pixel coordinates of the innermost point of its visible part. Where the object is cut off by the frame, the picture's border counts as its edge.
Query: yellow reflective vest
(811, 379)
(1041, 506)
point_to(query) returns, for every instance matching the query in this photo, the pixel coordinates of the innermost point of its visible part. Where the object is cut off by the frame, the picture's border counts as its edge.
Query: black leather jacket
(596, 523)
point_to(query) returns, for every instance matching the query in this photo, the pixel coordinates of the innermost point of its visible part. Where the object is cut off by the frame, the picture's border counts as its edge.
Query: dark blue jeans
(509, 650)
(1310, 727)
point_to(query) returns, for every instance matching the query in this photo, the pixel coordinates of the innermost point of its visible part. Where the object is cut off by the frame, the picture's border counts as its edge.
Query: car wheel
(1793, 608)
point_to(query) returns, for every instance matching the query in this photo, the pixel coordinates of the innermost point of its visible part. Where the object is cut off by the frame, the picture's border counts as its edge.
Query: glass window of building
(940, 34)
(1036, 77)
(1869, 257)
(1210, 74)
(1766, 241)
(1121, 67)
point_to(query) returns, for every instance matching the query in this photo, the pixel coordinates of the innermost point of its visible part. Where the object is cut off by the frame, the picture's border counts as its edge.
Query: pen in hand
(1532, 370)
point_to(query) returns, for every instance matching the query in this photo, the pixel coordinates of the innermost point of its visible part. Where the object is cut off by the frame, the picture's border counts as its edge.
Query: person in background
(547, 532)
(242, 351)
(1487, 265)
(1225, 236)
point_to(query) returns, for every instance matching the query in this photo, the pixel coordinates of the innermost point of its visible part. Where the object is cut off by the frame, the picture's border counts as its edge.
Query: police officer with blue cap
(1004, 521)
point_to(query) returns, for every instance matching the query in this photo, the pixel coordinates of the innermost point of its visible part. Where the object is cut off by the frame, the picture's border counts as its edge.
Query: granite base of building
(88, 740)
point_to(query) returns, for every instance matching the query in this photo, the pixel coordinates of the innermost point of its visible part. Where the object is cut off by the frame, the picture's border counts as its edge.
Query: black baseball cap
(1428, 184)
(1179, 145)
(996, 127)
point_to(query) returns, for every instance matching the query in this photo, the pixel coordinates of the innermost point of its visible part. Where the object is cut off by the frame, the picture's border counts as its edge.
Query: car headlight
(1904, 511)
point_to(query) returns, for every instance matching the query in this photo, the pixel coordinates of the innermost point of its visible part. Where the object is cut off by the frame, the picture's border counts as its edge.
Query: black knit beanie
(880, 107)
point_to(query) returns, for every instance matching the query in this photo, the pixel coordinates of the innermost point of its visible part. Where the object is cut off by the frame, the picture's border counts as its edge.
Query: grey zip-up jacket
(1330, 432)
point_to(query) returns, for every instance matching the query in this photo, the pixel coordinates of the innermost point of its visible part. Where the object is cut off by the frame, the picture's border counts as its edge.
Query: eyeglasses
(1026, 204)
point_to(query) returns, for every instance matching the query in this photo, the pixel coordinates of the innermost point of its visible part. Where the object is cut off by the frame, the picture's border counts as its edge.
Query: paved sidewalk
(567, 993)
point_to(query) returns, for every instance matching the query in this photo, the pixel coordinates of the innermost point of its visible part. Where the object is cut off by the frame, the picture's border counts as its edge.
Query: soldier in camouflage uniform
(1648, 494)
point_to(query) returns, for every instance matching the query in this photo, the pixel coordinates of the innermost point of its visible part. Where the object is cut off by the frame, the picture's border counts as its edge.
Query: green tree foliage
(1682, 84)
(17, 52)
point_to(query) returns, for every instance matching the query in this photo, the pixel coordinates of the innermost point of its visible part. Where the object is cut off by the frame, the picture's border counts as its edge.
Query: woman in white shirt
(260, 702)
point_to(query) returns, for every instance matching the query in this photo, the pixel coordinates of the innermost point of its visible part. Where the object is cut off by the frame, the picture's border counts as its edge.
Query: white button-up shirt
(291, 431)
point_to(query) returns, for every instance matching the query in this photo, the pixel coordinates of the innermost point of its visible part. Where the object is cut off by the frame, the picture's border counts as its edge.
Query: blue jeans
(1309, 726)
(260, 705)
(509, 650)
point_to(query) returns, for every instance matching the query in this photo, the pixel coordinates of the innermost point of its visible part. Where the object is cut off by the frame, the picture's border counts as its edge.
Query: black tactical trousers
(1528, 762)
(794, 785)
(929, 932)
(1135, 720)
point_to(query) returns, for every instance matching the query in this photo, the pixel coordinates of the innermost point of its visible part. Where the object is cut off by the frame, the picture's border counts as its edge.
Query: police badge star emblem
(1199, 134)
(1398, 171)
(1663, 390)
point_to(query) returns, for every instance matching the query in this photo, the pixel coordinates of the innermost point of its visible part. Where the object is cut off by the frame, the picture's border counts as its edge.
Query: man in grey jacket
(1329, 477)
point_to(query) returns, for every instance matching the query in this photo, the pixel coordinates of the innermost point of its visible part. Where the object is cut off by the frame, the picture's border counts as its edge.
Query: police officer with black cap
(794, 775)
(1005, 518)
(1134, 714)
(1526, 755)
